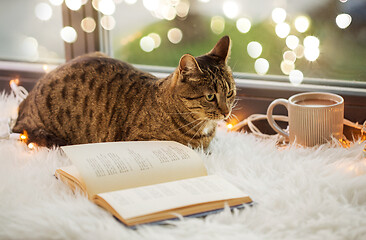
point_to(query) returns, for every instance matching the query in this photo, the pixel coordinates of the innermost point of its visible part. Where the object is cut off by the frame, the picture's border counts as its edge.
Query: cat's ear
(222, 49)
(188, 63)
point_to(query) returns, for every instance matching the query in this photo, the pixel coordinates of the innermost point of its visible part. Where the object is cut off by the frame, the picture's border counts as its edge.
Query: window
(314, 39)
(30, 31)
(279, 47)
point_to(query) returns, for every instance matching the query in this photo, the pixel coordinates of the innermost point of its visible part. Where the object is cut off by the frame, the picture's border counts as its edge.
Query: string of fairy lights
(20, 94)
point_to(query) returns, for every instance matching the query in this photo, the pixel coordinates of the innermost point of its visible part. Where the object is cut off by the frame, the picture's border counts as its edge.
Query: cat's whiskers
(232, 115)
(235, 103)
(187, 125)
(199, 129)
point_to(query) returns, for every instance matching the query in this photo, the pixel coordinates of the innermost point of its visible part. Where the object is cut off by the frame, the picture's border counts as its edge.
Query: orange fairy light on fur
(24, 136)
(14, 81)
(32, 146)
(229, 126)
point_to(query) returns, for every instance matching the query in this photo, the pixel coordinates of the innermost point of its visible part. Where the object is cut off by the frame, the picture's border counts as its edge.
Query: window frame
(254, 92)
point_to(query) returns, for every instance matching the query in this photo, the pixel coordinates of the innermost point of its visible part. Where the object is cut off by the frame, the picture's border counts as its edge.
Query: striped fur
(94, 98)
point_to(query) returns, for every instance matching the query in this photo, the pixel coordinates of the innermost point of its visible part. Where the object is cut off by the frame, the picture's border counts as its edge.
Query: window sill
(254, 92)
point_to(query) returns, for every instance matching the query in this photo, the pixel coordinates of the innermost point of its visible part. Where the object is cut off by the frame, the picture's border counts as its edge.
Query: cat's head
(205, 84)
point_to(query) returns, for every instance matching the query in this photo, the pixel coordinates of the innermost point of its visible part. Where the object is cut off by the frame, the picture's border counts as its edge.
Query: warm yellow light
(14, 81)
(24, 136)
(229, 126)
(31, 146)
(45, 68)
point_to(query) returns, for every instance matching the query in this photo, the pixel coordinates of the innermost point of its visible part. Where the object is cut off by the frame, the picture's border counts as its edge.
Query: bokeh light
(279, 15)
(289, 56)
(261, 66)
(302, 23)
(56, 2)
(157, 39)
(282, 29)
(130, 2)
(231, 9)
(311, 54)
(168, 12)
(107, 7)
(343, 20)
(254, 49)
(287, 67)
(243, 25)
(108, 22)
(175, 35)
(296, 77)
(311, 48)
(299, 51)
(151, 5)
(217, 24)
(311, 42)
(88, 24)
(73, 4)
(147, 44)
(182, 9)
(68, 34)
(29, 48)
(292, 41)
(43, 11)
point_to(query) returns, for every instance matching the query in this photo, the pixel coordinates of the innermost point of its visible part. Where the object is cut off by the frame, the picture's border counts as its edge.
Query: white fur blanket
(313, 193)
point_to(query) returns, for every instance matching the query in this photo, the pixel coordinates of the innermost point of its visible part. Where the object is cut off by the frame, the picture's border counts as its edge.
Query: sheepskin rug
(300, 193)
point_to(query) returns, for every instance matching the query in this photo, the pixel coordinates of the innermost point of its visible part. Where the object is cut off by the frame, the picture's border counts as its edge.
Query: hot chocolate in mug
(314, 117)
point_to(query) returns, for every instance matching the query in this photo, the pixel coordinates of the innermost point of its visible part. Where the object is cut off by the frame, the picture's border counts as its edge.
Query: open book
(142, 182)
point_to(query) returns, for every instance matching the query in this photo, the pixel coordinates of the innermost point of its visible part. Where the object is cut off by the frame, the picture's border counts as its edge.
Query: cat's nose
(226, 116)
(226, 113)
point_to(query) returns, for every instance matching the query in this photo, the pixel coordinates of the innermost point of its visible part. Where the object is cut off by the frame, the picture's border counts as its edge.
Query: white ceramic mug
(314, 117)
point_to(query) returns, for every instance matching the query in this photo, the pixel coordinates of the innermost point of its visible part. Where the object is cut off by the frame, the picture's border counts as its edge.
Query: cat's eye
(230, 93)
(210, 97)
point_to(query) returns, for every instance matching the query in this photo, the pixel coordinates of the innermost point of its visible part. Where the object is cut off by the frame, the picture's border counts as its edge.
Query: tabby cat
(94, 98)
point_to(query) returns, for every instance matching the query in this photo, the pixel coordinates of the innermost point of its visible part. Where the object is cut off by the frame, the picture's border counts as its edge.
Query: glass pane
(313, 38)
(30, 31)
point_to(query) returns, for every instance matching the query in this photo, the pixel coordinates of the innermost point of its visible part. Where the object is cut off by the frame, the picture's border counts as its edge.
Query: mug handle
(270, 119)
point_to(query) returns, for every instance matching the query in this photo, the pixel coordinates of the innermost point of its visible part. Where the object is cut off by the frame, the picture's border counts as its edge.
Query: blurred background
(314, 38)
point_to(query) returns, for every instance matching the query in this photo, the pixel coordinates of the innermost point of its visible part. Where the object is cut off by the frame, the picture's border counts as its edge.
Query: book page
(113, 166)
(71, 176)
(135, 202)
